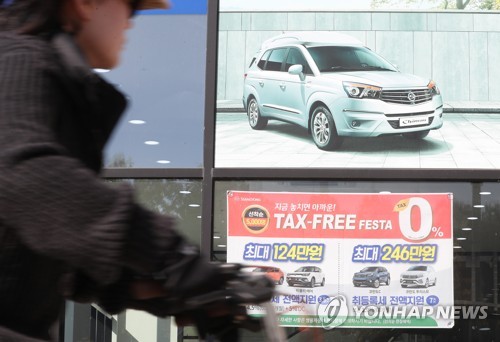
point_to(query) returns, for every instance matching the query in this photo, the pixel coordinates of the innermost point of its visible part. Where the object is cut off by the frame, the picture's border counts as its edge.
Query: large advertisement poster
(312, 85)
(348, 260)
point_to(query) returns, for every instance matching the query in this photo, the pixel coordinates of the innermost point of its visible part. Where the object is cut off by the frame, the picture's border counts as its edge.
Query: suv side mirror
(296, 69)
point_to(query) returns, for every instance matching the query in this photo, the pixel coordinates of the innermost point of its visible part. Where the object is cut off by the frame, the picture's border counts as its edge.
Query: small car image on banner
(306, 276)
(348, 260)
(372, 276)
(273, 273)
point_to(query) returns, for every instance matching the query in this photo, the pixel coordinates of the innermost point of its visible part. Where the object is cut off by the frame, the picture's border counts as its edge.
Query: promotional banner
(348, 260)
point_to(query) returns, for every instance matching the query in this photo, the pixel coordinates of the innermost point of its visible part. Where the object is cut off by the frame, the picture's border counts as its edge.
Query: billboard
(348, 260)
(322, 87)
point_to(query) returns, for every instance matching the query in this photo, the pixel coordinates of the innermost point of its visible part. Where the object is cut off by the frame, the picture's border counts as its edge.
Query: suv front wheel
(313, 282)
(255, 120)
(323, 130)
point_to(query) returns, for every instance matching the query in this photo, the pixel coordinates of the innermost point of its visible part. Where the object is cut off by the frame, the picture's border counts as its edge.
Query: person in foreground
(65, 234)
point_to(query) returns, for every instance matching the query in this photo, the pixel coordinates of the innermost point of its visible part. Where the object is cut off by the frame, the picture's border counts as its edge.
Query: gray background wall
(459, 50)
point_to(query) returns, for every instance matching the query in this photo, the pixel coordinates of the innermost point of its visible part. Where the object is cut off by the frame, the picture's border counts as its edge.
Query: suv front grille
(430, 112)
(407, 96)
(410, 277)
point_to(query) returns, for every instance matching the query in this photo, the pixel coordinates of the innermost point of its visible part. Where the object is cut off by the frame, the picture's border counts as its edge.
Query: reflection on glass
(173, 198)
(163, 77)
(178, 198)
(90, 323)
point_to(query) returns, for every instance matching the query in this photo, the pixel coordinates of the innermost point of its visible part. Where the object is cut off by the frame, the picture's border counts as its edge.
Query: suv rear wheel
(323, 130)
(254, 119)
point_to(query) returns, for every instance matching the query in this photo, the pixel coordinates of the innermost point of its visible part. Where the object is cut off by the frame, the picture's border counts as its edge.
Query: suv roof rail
(312, 38)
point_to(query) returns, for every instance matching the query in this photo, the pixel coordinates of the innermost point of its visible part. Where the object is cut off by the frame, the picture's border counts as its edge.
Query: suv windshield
(347, 58)
(305, 269)
(418, 268)
(369, 269)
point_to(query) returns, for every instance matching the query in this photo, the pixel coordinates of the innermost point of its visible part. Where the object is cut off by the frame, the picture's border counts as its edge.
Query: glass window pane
(179, 198)
(296, 57)
(163, 75)
(263, 60)
(275, 60)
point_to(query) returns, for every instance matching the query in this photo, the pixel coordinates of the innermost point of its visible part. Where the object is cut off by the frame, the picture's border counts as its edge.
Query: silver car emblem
(412, 97)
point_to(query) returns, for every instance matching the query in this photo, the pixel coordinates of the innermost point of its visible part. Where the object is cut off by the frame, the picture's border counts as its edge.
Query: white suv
(418, 275)
(306, 276)
(334, 86)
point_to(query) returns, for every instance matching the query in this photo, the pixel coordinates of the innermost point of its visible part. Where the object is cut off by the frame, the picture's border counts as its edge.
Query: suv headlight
(433, 87)
(361, 91)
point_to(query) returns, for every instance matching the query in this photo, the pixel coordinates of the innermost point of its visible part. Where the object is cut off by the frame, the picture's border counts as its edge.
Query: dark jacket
(63, 232)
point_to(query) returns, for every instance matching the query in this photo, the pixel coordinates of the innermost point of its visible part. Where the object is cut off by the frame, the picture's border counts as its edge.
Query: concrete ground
(469, 139)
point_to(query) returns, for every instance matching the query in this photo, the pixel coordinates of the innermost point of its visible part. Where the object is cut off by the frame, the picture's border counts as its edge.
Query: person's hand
(146, 289)
(223, 311)
(212, 296)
